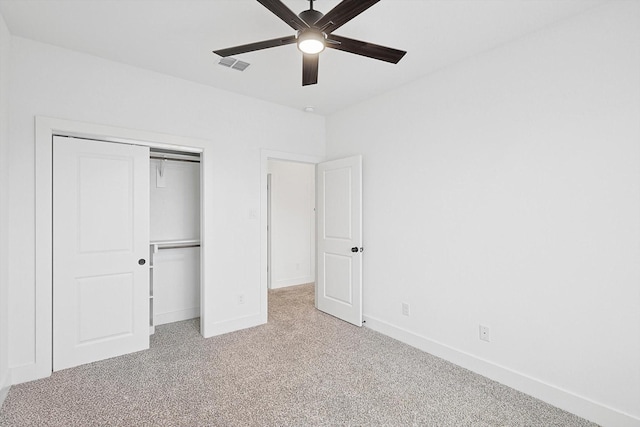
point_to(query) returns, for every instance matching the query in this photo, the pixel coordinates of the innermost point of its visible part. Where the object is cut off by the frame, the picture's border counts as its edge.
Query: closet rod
(175, 160)
(195, 245)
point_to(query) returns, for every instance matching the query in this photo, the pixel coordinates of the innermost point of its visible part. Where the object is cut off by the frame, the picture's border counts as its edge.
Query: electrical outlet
(240, 299)
(484, 333)
(405, 309)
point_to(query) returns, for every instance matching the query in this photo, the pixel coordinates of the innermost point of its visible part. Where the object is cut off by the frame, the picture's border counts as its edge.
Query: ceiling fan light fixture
(311, 41)
(315, 32)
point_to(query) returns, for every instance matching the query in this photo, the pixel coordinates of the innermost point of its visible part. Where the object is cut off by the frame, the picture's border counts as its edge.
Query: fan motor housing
(310, 16)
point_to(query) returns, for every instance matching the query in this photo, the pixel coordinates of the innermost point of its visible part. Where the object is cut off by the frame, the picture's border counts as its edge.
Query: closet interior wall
(175, 238)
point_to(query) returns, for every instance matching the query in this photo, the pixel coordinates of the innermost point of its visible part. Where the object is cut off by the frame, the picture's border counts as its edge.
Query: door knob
(354, 249)
(142, 261)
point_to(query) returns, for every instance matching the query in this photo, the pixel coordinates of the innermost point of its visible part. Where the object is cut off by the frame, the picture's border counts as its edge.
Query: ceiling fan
(315, 33)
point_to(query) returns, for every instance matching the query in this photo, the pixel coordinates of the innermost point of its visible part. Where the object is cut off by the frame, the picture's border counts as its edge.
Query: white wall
(175, 208)
(505, 191)
(5, 48)
(292, 223)
(176, 285)
(55, 82)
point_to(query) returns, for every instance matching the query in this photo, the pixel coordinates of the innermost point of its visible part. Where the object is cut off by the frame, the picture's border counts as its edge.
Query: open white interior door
(100, 250)
(339, 204)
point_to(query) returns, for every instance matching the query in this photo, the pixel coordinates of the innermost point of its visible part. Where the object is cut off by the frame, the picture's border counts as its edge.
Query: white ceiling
(176, 37)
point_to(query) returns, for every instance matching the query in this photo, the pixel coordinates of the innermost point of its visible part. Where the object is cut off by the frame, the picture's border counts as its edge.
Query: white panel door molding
(100, 250)
(339, 195)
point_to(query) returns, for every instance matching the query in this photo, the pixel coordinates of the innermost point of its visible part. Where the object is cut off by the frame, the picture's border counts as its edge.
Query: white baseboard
(29, 372)
(284, 283)
(232, 325)
(176, 316)
(5, 385)
(4, 391)
(563, 399)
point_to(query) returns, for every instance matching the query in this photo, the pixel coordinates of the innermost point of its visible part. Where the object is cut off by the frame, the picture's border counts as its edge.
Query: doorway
(338, 227)
(290, 223)
(267, 264)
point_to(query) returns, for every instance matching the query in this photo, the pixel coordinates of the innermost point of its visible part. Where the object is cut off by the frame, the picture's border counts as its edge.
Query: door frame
(265, 156)
(269, 266)
(45, 129)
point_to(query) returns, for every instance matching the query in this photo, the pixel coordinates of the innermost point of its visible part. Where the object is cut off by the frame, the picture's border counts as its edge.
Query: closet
(174, 251)
(125, 246)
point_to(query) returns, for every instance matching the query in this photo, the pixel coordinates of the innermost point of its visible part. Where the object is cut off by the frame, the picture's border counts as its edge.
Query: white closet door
(100, 250)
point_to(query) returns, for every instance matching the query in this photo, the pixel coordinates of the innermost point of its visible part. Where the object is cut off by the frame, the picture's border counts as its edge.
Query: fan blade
(255, 46)
(309, 69)
(343, 13)
(283, 12)
(365, 49)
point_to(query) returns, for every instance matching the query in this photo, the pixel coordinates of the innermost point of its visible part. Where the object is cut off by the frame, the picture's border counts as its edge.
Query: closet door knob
(142, 261)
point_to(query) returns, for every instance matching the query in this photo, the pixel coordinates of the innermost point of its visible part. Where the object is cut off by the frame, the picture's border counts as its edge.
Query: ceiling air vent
(240, 65)
(234, 63)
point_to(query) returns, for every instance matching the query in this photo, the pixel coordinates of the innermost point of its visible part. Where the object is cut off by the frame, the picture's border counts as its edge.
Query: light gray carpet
(303, 368)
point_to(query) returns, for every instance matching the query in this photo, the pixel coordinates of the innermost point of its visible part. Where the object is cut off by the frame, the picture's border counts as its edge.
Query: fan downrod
(310, 16)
